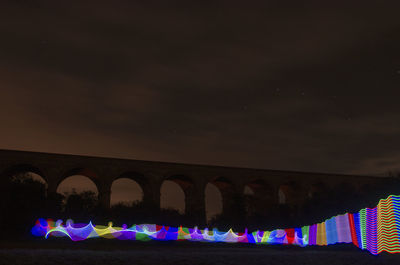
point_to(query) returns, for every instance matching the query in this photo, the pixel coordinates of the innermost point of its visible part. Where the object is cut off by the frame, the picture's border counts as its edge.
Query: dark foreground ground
(110, 252)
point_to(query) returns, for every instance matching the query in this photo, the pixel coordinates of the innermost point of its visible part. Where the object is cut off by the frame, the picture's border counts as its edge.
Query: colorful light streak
(374, 229)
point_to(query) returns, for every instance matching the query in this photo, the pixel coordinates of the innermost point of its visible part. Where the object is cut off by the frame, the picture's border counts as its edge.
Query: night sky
(285, 85)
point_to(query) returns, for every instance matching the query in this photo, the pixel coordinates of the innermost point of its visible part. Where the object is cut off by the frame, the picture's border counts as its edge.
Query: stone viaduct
(265, 184)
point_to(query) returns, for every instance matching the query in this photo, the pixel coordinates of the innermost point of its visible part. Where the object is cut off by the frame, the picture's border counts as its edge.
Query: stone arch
(222, 183)
(84, 176)
(174, 192)
(80, 191)
(288, 193)
(259, 188)
(20, 173)
(150, 189)
(227, 191)
(133, 175)
(128, 187)
(23, 169)
(258, 196)
(89, 173)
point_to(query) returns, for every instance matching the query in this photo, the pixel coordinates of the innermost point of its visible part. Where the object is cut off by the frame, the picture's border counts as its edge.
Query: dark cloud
(273, 84)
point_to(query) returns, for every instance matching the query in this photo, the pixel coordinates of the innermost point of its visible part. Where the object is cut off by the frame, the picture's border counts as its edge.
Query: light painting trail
(374, 229)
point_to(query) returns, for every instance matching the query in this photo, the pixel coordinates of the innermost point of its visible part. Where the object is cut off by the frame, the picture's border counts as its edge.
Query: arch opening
(27, 176)
(287, 193)
(76, 184)
(125, 191)
(172, 196)
(258, 197)
(80, 195)
(23, 197)
(27, 188)
(23, 173)
(282, 196)
(248, 191)
(258, 188)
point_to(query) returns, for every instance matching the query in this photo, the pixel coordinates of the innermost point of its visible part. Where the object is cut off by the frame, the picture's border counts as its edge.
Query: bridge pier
(104, 195)
(52, 185)
(152, 196)
(195, 205)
